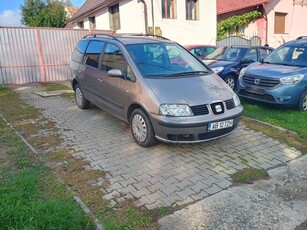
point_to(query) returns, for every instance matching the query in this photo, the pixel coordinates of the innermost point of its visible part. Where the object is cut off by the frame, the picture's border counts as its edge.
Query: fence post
(40, 50)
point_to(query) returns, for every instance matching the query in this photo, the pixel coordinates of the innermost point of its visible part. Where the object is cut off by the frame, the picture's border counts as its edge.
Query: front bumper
(193, 129)
(282, 95)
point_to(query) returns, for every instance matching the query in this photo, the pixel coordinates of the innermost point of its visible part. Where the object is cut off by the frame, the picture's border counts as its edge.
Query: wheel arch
(132, 107)
(74, 83)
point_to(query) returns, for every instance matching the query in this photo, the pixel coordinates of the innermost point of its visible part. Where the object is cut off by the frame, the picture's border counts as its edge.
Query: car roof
(300, 41)
(128, 39)
(196, 46)
(249, 47)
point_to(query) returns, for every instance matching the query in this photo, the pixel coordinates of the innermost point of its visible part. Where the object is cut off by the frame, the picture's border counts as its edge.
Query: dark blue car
(228, 63)
(279, 79)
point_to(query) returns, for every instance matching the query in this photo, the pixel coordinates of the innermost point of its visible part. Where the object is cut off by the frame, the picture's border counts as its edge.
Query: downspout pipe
(266, 24)
(145, 16)
(152, 17)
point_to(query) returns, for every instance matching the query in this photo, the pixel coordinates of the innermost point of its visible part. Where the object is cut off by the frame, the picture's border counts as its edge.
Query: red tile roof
(72, 10)
(89, 6)
(226, 6)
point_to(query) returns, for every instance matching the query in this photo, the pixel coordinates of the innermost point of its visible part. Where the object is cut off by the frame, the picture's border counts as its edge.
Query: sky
(10, 13)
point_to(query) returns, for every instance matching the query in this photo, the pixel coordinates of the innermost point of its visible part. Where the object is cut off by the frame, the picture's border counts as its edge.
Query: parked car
(134, 79)
(200, 51)
(215, 55)
(279, 79)
(234, 58)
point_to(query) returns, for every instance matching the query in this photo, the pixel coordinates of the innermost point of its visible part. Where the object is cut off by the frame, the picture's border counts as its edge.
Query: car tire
(81, 101)
(231, 81)
(302, 105)
(142, 129)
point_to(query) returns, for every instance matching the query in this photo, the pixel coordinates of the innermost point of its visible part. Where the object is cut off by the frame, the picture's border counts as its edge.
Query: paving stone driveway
(163, 175)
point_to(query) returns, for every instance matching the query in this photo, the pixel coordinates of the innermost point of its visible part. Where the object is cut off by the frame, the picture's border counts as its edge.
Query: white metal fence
(37, 54)
(235, 40)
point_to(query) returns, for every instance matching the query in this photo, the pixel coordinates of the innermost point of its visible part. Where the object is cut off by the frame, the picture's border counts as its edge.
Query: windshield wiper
(267, 62)
(187, 73)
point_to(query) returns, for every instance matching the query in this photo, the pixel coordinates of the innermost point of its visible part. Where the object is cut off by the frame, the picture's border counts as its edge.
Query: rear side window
(77, 55)
(93, 52)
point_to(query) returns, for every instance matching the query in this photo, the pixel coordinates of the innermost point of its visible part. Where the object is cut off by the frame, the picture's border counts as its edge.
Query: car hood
(220, 64)
(273, 70)
(190, 90)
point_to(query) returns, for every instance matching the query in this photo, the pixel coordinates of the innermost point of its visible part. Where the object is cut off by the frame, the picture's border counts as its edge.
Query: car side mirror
(115, 73)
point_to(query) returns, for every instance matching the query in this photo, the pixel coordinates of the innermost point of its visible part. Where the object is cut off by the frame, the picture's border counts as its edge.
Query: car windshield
(216, 54)
(165, 60)
(288, 55)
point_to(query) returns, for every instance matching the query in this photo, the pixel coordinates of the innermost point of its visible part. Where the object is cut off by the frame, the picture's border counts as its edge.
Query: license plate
(255, 90)
(220, 125)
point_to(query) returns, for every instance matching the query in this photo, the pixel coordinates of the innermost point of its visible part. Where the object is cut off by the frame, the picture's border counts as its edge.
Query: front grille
(199, 110)
(230, 104)
(262, 82)
(203, 109)
(263, 97)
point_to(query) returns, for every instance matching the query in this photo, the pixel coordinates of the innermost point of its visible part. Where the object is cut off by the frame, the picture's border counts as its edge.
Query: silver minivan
(157, 86)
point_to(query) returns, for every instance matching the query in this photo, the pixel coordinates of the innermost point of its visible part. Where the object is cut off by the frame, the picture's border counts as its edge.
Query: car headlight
(175, 110)
(292, 80)
(217, 69)
(236, 100)
(242, 72)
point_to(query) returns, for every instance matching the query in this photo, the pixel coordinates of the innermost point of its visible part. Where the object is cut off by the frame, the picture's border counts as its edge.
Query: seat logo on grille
(218, 108)
(257, 81)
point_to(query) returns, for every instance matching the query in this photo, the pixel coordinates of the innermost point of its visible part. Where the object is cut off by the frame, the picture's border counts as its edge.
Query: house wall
(295, 19)
(180, 30)
(202, 31)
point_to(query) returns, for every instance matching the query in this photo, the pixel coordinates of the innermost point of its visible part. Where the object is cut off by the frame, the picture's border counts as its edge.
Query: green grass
(30, 197)
(249, 175)
(54, 86)
(286, 118)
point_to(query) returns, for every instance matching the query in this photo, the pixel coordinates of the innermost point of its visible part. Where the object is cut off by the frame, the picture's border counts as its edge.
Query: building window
(280, 23)
(168, 9)
(80, 24)
(114, 17)
(92, 21)
(192, 9)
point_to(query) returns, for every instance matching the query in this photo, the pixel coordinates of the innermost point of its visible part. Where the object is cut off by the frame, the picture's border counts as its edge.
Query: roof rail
(121, 34)
(140, 34)
(301, 37)
(101, 35)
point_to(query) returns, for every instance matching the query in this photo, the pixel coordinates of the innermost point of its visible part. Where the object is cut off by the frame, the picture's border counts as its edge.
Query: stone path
(163, 175)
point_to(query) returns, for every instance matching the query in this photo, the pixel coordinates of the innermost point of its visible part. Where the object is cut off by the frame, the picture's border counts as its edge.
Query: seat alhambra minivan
(154, 84)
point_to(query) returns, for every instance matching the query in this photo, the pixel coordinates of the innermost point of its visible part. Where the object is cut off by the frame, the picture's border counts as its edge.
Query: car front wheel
(231, 82)
(142, 129)
(81, 101)
(303, 102)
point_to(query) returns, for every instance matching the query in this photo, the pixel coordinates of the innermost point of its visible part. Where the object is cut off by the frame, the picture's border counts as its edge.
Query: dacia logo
(257, 81)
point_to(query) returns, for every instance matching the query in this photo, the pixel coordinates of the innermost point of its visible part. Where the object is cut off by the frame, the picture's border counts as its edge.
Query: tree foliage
(236, 20)
(44, 13)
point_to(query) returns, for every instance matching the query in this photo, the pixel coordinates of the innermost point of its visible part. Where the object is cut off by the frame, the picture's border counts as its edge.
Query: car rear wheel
(142, 129)
(81, 101)
(303, 102)
(231, 82)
